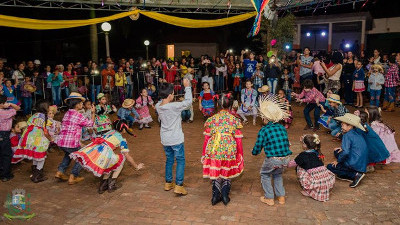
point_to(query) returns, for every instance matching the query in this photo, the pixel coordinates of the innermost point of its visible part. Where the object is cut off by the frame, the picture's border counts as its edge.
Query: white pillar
(330, 37)
(362, 35)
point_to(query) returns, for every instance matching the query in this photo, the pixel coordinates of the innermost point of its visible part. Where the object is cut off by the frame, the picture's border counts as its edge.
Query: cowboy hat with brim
(352, 120)
(263, 89)
(75, 95)
(128, 103)
(272, 109)
(334, 98)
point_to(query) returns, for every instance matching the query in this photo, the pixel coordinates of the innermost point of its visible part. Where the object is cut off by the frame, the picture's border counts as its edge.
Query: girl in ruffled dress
(99, 157)
(315, 179)
(102, 121)
(34, 142)
(249, 99)
(142, 107)
(222, 150)
(206, 101)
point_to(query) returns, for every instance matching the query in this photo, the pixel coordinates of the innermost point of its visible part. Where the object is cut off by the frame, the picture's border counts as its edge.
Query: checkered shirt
(311, 96)
(6, 117)
(274, 139)
(392, 76)
(71, 129)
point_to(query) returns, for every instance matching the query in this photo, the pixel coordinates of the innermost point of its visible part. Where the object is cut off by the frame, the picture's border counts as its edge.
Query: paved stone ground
(142, 199)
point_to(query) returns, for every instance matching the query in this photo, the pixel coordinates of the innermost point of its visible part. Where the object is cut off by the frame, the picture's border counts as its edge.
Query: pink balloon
(273, 42)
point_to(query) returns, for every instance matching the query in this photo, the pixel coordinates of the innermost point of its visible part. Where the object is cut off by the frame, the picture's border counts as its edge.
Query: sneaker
(268, 201)
(147, 126)
(357, 179)
(344, 179)
(169, 186)
(180, 190)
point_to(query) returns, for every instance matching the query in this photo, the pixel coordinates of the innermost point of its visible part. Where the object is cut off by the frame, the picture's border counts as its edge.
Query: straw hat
(75, 95)
(53, 108)
(351, 119)
(190, 70)
(29, 88)
(335, 98)
(263, 89)
(128, 103)
(378, 67)
(272, 109)
(100, 95)
(22, 125)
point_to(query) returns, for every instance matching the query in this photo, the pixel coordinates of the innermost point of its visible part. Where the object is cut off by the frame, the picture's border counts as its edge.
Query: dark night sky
(127, 36)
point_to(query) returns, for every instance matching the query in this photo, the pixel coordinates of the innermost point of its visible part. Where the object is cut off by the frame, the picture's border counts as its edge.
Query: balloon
(273, 42)
(270, 53)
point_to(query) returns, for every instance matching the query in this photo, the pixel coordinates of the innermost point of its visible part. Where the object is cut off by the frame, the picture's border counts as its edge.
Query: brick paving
(142, 199)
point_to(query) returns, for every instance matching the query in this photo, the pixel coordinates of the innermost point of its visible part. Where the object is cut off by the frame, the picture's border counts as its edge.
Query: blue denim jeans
(67, 160)
(342, 170)
(390, 94)
(272, 168)
(272, 82)
(56, 93)
(130, 120)
(375, 96)
(129, 89)
(185, 115)
(309, 107)
(175, 152)
(95, 91)
(219, 83)
(335, 127)
(27, 101)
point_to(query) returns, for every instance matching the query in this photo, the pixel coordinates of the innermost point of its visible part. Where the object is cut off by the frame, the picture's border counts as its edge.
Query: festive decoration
(35, 24)
(259, 6)
(273, 42)
(270, 53)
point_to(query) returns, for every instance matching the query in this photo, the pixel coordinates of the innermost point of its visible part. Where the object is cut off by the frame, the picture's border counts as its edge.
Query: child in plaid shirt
(391, 82)
(273, 138)
(70, 135)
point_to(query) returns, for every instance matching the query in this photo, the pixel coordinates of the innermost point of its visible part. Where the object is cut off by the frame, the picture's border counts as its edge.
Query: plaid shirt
(274, 139)
(6, 117)
(311, 96)
(392, 76)
(339, 111)
(71, 129)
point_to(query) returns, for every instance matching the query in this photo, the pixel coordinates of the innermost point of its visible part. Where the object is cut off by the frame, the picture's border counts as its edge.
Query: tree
(283, 30)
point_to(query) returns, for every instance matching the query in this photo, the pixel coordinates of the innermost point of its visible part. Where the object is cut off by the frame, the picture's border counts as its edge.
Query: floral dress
(33, 144)
(99, 156)
(142, 107)
(222, 149)
(102, 121)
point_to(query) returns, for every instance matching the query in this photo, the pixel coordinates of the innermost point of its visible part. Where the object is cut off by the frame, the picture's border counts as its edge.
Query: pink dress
(387, 137)
(142, 107)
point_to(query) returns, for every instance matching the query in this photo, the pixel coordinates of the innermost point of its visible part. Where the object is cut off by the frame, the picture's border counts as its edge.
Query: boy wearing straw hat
(352, 157)
(274, 139)
(124, 113)
(338, 110)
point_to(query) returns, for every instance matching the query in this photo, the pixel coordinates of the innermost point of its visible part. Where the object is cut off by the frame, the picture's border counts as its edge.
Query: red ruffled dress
(222, 149)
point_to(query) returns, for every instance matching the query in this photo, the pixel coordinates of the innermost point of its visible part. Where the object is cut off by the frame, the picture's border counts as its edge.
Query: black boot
(33, 168)
(103, 186)
(35, 174)
(225, 193)
(38, 176)
(216, 195)
(112, 184)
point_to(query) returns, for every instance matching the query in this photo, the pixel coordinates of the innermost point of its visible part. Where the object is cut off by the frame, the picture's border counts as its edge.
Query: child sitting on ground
(124, 113)
(326, 109)
(206, 101)
(315, 180)
(249, 99)
(385, 132)
(338, 109)
(282, 99)
(352, 157)
(273, 138)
